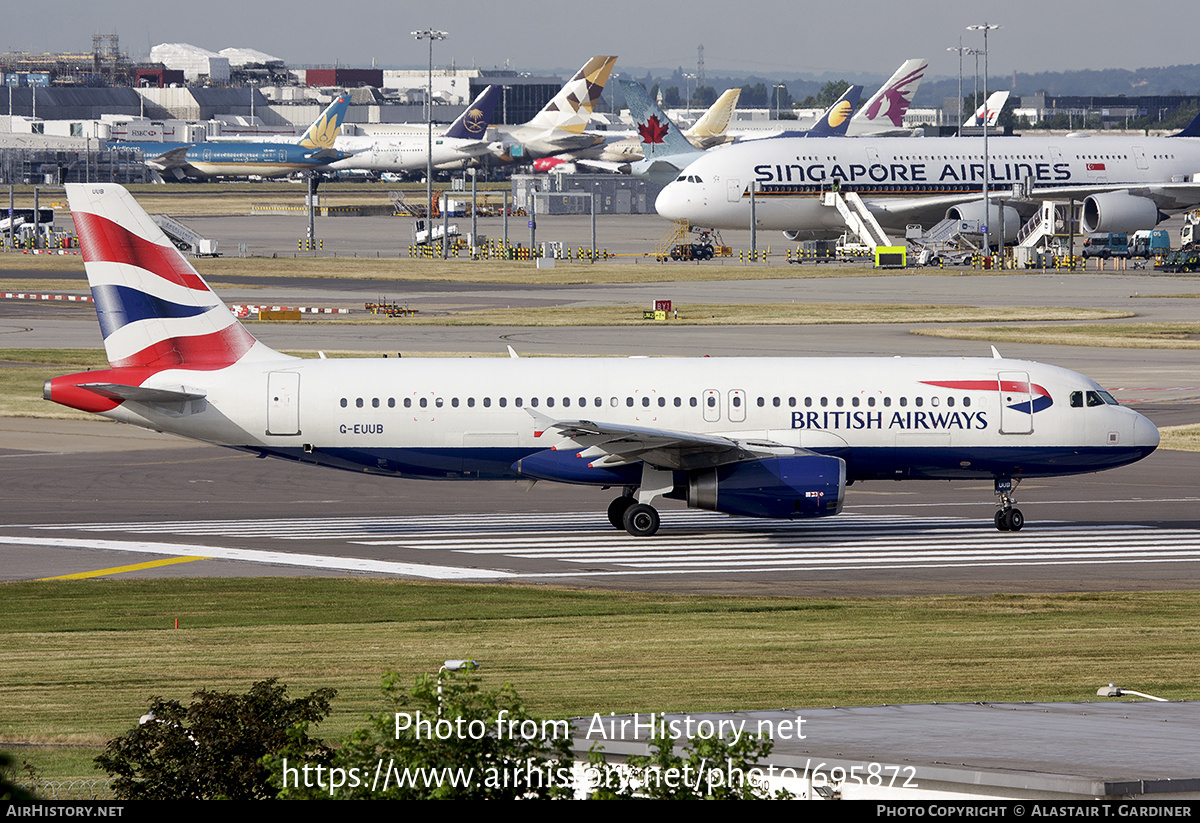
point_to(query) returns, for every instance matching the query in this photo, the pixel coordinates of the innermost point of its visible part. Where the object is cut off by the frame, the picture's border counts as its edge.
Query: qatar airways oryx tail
(762, 437)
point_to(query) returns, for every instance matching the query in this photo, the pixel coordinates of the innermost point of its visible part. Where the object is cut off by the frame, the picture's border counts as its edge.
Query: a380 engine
(1119, 211)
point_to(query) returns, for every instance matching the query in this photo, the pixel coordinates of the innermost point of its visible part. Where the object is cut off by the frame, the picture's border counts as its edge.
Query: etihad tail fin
(572, 107)
(321, 133)
(155, 311)
(658, 134)
(895, 96)
(473, 123)
(836, 119)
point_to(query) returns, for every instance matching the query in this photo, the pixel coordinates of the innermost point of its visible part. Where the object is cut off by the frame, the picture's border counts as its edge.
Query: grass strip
(1108, 335)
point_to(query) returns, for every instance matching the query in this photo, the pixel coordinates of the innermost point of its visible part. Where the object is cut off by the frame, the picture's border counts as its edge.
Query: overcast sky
(768, 37)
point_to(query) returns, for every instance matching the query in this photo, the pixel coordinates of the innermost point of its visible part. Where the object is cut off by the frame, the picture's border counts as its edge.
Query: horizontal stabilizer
(142, 394)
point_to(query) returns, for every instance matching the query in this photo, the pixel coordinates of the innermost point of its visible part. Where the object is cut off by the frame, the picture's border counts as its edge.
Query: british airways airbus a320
(763, 437)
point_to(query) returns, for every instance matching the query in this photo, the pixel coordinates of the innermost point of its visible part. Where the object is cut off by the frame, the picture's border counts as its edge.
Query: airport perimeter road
(98, 499)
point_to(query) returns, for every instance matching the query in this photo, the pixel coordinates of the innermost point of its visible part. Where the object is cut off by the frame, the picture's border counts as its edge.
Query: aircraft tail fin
(659, 135)
(836, 119)
(1192, 129)
(572, 107)
(473, 123)
(710, 128)
(321, 133)
(155, 311)
(895, 96)
(990, 109)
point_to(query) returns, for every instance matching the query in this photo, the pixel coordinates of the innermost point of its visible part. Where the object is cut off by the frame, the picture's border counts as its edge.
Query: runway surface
(101, 500)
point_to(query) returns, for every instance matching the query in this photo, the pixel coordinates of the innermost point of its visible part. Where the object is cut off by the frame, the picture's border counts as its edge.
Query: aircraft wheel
(1015, 520)
(641, 520)
(617, 509)
(1001, 520)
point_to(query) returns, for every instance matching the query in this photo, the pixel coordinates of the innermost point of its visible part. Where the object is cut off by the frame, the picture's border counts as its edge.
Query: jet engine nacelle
(1118, 211)
(974, 211)
(566, 466)
(781, 487)
(792, 235)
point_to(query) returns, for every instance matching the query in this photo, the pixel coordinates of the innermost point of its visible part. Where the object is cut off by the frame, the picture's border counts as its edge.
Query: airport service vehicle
(1126, 183)
(1106, 245)
(1147, 244)
(760, 437)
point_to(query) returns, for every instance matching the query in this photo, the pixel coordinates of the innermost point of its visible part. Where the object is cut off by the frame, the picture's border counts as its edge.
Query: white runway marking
(584, 544)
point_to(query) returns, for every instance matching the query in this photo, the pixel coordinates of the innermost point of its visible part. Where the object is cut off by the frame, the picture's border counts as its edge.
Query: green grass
(82, 658)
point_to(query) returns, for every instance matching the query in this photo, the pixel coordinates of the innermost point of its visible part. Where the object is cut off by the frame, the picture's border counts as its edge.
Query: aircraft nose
(670, 202)
(1145, 433)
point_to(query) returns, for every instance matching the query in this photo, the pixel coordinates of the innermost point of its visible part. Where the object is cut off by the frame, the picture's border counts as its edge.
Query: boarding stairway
(1053, 219)
(858, 218)
(675, 235)
(185, 238)
(403, 208)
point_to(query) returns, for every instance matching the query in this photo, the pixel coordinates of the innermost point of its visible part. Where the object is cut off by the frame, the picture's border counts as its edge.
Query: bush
(423, 747)
(212, 749)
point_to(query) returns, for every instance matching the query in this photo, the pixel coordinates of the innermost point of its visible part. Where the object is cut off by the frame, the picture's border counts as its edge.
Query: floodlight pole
(961, 51)
(430, 35)
(985, 28)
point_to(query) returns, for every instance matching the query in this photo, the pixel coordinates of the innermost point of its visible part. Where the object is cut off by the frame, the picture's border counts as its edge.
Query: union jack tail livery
(156, 313)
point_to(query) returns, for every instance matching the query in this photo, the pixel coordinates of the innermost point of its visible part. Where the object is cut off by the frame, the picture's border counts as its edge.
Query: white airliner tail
(889, 104)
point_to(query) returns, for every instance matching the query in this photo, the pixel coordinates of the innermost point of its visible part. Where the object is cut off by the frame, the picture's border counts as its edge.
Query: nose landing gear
(1008, 518)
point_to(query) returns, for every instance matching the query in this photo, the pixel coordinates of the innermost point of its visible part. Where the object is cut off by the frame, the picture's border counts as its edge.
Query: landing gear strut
(1008, 518)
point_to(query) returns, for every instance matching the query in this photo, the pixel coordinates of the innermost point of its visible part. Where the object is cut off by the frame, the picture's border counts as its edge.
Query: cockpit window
(1108, 399)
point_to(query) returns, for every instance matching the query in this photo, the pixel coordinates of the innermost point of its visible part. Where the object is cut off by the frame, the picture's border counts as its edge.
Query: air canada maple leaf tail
(156, 312)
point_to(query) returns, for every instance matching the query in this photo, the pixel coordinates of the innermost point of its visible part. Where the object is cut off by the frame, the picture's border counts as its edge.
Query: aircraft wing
(605, 165)
(614, 445)
(176, 158)
(900, 211)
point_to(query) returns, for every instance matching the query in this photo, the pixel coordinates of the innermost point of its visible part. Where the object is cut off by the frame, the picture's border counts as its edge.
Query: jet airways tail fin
(321, 133)
(155, 311)
(473, 123)
(659, 135)
(836, 119)
(572, 107)
(895, 96)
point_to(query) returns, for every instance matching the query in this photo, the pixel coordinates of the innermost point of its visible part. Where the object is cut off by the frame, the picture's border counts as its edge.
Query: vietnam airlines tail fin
(659, 135)
(895, 96)
(321, 133)
(155, 311)
(836, 119)
(473, 123)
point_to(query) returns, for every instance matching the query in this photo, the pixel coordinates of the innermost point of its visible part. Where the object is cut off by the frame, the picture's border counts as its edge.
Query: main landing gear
(632, 510)
(639, 519)
(1008, 517)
